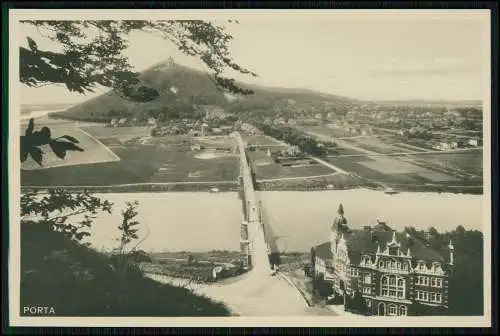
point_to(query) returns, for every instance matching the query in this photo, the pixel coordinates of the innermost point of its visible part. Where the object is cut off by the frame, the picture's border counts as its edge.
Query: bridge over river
(258, 292)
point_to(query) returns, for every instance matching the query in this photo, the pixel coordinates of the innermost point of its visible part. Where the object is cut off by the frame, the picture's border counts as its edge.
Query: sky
(376, 57)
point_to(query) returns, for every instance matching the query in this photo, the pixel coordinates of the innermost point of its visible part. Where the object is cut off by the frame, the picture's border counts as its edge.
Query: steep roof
(366, 242)
(323, 251)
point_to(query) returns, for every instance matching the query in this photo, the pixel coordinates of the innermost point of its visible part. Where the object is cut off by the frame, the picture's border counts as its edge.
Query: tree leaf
(70, 138)
(31, 127)
(58, 150)
(45, 133)
(37, 155)
(32, 44)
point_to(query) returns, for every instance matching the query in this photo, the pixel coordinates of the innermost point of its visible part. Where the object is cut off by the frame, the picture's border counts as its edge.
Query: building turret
(339, 226)
(451, 248)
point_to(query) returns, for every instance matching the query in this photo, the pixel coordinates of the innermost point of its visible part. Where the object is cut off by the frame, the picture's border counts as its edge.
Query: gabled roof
(366, 242)
(360, 242)
(323, 251)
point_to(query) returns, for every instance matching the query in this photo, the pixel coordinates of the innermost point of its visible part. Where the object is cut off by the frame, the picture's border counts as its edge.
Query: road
(256, 293)
(324, 163)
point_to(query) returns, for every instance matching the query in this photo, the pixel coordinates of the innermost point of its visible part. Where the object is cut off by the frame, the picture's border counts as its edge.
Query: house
(393, 272)
(444, 146)
(152, 121)
(122, 121)
(113, 122)
(213, 112)
(216, 130)
(473, 142)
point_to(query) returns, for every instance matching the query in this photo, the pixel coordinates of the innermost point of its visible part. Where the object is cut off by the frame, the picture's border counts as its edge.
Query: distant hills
(423, 102)
(182, 88)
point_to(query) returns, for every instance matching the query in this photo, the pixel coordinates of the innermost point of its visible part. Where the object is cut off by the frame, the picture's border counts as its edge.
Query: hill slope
(180, 88)
(78, 281)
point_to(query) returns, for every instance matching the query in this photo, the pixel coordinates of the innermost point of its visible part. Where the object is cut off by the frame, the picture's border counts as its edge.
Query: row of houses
(455, 144)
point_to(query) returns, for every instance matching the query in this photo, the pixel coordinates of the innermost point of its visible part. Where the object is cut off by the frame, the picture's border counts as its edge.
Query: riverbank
(297, 185)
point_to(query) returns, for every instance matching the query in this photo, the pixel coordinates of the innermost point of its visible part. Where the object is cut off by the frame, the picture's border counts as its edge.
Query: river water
(197, 221)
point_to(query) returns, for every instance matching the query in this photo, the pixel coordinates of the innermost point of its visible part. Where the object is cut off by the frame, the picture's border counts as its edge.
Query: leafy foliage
(59, 208)
(92, 53)
(32, 140)
(79, 281)
(304, 142)
(466, 289)
(128, 226)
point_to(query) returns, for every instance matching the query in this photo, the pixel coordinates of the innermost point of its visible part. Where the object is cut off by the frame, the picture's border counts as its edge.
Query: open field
(470, 162)
(374, 144)
(266, 168)
(445, 169)
(156, 160)
(335, 181)
(329, 130)
(260, 140)
(121, 134)
(94, 152)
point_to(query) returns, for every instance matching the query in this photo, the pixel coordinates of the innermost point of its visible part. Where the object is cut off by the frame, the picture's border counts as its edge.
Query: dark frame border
(492, 6)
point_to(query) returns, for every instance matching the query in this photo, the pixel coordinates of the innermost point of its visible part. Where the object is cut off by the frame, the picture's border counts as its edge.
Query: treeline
(466, 282)
(305, 143)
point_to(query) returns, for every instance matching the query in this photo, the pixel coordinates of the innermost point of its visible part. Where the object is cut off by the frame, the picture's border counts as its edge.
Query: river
(197, 221)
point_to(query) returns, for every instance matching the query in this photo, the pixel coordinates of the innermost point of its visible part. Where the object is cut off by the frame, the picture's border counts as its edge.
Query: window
(393, 286)
(392, 310)
(393, 264)
(433, 282)
(438, 298)
(380, 264)
(402, 310)
(433, 297)
(421, 266)
(405, 267)
(439, 282)
(367, 279)
(426, 296)
(368, 303)
(367, 290)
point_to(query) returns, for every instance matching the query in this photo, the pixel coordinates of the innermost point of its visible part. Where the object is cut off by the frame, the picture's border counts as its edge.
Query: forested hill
(181, 88)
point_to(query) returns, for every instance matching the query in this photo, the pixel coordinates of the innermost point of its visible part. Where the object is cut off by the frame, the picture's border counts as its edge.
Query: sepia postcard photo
(249, 168)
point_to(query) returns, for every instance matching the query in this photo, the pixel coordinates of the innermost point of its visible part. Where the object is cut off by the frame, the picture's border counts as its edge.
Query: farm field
(393, 170)
(266, 168)
(260, 140)
(154, 160)
(327, 130)
(469, 162)
(376, 145)
(94, 152)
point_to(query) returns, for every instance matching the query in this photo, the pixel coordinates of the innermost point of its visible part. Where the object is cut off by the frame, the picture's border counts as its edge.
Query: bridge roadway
(256, 293)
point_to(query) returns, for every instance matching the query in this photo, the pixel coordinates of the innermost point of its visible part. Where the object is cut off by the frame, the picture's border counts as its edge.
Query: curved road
(256, 293)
